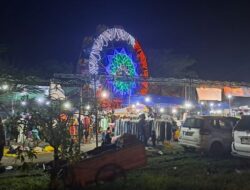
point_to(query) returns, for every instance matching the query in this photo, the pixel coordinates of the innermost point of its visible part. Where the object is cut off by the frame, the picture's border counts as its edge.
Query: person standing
(169, 132)
(108, 136)
(2, 139)
(142, 129)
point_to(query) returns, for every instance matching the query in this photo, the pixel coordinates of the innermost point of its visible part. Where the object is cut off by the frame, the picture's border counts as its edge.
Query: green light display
(121, 64)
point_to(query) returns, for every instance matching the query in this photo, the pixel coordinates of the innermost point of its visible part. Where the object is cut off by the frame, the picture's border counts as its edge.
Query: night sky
(216, 33)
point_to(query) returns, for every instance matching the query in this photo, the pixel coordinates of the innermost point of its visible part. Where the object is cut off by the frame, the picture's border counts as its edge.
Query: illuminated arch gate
(121, 62)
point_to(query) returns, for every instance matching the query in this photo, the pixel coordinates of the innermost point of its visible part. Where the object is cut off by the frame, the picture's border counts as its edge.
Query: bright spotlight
(23, 103)
(219, 111)
(174, 111)
(162, 110)
(67, 105)
(137, 103)
(87, 107)
(5, 87)
(47, 103)
(188, 105)
(147, 99)
(40, 100)
(133, 105)
(229, 96)
(202, 103)
(104, 94)
(211, 104)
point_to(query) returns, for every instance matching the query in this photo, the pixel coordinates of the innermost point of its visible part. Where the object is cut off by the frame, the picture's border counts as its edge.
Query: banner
(240, 92)
(213, 94)
(56, 92)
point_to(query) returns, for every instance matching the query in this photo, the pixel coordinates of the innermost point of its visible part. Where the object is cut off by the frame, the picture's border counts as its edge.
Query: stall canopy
(151, 100)
(210, 94)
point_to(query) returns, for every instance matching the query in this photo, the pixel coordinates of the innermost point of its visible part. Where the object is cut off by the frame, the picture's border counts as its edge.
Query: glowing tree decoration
(121, 64)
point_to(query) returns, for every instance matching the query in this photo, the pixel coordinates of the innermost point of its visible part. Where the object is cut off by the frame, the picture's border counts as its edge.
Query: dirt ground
(43, 157)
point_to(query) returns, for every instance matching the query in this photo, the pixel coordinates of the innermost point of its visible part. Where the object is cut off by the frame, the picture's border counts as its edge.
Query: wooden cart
(106, 165)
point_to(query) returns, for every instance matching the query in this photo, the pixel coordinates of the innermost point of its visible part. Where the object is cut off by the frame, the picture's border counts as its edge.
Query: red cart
(107, 165)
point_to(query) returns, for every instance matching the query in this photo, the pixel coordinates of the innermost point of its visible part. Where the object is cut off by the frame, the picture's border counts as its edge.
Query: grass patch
(24, 183)
(173, 170)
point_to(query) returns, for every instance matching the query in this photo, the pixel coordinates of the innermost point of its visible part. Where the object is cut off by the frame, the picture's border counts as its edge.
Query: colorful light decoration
(118, 34)
(121, 64)
(112, 34)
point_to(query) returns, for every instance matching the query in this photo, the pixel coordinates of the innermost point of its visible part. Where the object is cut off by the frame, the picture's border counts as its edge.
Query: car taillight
(204, 131)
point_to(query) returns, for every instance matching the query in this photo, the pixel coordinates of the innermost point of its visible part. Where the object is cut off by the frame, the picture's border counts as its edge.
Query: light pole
(96, 111)
(229, 96)
(211, 107)
(202, 104)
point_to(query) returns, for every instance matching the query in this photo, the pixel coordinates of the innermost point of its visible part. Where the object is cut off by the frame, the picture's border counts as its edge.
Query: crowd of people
(106, 128)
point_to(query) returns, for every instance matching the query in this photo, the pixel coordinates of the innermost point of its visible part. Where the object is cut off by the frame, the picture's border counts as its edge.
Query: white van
(241, 138)
(211, 134)
(190, 132)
